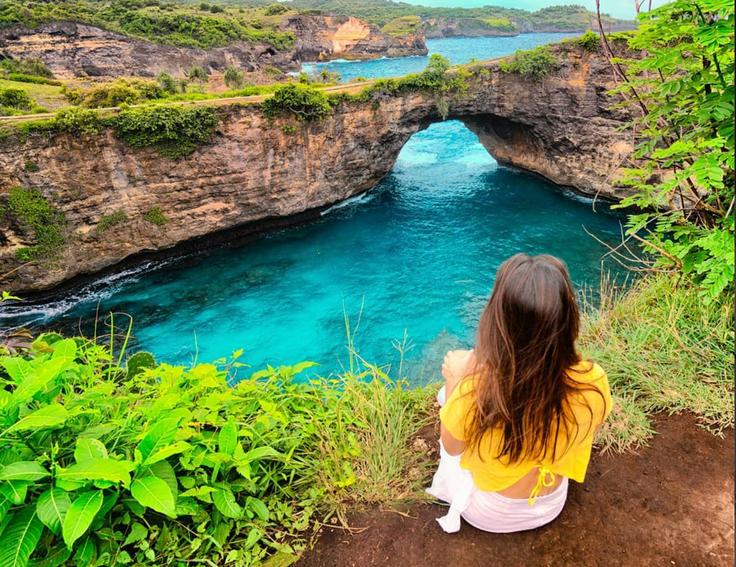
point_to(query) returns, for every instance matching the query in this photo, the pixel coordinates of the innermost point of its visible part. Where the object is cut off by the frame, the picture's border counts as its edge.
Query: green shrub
(403, 26)
(198, 74)
(503, 24)
(30, 166)
(155, 215)
(301, 101)
(175, 131)
(115, 93)
(40, 220)
(22, 78)
(111, 220)
(535, 63)
(164, 465)
(15, 98)
(77, 121)
(589, 42)
(233, 78)
(275, 9)
(32, 67)
(167, 83)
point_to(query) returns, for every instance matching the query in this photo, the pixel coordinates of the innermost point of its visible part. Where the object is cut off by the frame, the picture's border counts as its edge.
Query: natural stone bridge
(254, 172)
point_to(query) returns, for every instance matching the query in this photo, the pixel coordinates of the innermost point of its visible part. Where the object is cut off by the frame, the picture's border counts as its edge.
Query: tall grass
(664, 351)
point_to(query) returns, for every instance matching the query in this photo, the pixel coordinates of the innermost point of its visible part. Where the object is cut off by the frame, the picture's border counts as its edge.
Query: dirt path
(670, 504)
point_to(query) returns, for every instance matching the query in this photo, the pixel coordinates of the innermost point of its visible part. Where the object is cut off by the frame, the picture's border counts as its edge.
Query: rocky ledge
(564, 127)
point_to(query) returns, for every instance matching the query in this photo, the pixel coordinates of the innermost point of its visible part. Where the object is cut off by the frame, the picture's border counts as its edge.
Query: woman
(519, 412)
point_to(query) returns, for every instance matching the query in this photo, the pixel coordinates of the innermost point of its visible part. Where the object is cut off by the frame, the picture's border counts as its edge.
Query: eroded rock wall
(564, 128)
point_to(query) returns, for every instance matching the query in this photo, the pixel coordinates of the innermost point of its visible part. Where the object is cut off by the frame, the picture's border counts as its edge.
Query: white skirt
(488, 511)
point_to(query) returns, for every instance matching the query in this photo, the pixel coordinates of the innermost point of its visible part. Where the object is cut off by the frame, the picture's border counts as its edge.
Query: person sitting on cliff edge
(520, 411)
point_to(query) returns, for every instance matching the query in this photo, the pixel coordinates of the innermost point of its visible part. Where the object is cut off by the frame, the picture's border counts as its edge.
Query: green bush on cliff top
(533, 63)
(304, 102)
(175, 131)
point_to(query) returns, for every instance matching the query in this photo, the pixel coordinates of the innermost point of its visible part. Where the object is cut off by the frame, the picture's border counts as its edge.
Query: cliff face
(462, 27)
(329, 37)
(564, 128)
(71, 49)
(77, 50)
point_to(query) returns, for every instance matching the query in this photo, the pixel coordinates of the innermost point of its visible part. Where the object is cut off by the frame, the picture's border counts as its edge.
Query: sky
(617, 8)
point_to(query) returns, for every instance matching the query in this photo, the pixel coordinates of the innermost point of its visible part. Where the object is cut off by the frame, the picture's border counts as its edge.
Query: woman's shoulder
(587, 372)
(592, 389)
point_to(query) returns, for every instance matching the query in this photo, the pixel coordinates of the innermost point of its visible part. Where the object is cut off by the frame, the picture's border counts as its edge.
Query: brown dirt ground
(668, 504)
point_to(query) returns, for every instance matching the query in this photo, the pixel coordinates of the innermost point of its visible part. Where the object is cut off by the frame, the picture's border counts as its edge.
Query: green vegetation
(161, 22)
(502, 24)
(156, 216)
(31, 67)
(167, 83)
(45, 94)
(233, 78)
(403, 26)
(684, 175)
(589, 41)
(533, 63)
(381, 12)
(175, 131)
(40, 220)
(304, 102)
(30, 166)
(76, 121)
(663, 350)
(15, 99)
(109, 221)
(115, 93)
(159, 465)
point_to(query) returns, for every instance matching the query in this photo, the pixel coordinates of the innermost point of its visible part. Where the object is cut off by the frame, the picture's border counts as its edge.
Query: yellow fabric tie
(542, 482)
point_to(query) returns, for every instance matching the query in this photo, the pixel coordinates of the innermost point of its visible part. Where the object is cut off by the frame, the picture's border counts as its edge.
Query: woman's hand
(457, 365)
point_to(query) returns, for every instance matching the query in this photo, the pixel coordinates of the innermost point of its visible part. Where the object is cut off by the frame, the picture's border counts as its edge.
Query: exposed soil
(668, 504)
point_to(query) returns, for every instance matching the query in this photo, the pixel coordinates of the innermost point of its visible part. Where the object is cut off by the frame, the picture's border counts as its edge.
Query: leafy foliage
(233, 78)
(161, 22)
(533, 63)
(403, 26)
(168, 465)
(684, 178)
(111, 220)
(175, 131)
(15, 98)
(31, 66)
(77, 121)
(115, 93)
(40, 219)
(156, 216)
(589, 41)
(304, 102)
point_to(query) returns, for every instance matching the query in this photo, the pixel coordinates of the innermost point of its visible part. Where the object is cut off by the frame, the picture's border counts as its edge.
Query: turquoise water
(410, 264)
(457, 49)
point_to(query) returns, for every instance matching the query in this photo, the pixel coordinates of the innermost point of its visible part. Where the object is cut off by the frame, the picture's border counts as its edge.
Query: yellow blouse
(492, 474)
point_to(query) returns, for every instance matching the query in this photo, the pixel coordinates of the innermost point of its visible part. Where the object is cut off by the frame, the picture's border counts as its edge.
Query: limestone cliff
(463, 27)
(330, 37)
(71, 50)
(564, 127)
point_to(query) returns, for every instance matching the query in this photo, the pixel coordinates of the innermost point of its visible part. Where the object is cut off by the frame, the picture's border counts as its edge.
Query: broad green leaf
(167, 451)
(224, 501)
(165, 472)
(20, 538)
(86, 552)
(160, 435)
(154, 493)
(228, 437)
(55, 558)
(79, 516)
(257, 506)
(48, 416)
(98, 469)
(261, 453)
(38, 379)
(138, 532)
(198, 492)
(30, 471)
(17, 368)
(51, 508)
(14, 490)
(89, 449)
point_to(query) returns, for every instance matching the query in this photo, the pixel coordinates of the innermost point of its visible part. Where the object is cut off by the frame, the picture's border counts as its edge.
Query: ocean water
(457, 49)
(409, 265)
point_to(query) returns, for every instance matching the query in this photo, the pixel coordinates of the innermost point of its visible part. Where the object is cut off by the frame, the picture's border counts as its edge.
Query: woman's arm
(457, 365)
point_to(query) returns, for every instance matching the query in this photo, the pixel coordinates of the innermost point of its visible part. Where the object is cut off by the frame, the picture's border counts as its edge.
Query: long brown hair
(524, 350)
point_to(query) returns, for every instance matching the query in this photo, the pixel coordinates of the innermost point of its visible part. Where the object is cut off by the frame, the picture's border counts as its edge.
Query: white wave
(361, 199)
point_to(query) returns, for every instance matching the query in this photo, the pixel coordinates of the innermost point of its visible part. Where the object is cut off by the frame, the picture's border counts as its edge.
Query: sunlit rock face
(255, 171)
